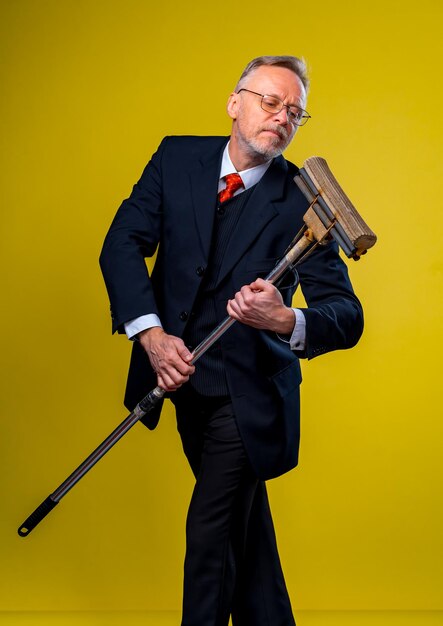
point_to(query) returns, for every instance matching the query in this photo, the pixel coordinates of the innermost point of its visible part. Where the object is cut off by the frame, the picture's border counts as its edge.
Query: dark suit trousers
(232, 565)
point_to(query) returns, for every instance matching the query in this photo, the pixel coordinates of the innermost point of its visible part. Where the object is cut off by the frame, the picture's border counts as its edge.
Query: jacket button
(184, 316)
(200, 270)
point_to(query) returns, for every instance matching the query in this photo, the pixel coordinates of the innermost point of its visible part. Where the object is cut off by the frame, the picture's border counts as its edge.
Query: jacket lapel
(204, 186)
(258, 212)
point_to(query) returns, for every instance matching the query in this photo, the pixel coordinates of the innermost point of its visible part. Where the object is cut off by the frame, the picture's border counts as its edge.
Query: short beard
(269, 152)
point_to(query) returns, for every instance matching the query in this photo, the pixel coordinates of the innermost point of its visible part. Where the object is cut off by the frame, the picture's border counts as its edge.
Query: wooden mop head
(331, 212)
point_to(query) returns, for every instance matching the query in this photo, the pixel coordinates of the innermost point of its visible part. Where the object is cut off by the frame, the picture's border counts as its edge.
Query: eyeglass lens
(271, 104)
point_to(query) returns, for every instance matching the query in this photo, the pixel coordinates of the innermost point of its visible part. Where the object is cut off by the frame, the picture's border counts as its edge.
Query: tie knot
(233, 182)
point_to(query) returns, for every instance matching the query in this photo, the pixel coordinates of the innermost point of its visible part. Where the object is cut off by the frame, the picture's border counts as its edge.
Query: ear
(232, 105)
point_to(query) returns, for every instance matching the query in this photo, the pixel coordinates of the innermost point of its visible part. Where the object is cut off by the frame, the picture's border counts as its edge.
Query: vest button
(184, 316)
(221, 210)
(200, 270)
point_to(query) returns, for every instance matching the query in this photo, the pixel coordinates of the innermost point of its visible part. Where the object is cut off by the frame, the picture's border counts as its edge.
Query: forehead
(277, 81)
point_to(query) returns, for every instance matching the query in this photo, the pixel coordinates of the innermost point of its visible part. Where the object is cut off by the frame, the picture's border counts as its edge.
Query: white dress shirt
(250, 178)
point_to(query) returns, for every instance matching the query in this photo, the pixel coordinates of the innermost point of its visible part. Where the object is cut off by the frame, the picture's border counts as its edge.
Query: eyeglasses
(271, 104)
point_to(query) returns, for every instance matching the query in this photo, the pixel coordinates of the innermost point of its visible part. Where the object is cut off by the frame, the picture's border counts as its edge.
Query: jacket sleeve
(134, 235)
(334, 316)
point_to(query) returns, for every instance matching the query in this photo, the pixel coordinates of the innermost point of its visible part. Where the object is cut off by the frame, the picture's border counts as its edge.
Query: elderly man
(221, 211)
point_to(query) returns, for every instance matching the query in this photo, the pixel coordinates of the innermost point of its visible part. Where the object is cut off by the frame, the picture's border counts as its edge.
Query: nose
(283, 116)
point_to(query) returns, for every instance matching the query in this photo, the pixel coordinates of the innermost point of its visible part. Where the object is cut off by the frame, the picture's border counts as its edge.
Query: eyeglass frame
(304, 117)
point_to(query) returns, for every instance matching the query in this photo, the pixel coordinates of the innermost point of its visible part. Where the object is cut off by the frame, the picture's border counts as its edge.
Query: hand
(169, 357)
(260, 305)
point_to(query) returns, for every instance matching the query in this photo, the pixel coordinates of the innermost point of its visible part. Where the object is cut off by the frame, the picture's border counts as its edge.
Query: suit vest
(209, 378)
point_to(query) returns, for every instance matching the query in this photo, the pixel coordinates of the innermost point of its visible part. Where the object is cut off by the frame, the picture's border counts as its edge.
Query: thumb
(260, 285)
(185, 354)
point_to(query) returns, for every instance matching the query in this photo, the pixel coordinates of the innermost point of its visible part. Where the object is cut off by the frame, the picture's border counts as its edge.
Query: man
(222, 211)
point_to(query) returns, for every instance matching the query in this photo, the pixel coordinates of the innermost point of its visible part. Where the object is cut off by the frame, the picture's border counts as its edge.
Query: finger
(236, 313)
(249, 297)
(234, 309)
(172, 381)
(183, 368)
(175, 372)
(161, 383)
(230, 309)
(239, 300)
(246, 293)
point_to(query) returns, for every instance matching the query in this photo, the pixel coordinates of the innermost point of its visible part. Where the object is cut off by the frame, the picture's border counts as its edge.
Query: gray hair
(296, 65)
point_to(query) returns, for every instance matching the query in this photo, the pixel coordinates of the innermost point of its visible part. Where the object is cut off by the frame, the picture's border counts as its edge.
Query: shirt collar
(249, 177)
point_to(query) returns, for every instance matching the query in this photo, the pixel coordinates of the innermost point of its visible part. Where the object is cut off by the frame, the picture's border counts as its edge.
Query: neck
(243, 158)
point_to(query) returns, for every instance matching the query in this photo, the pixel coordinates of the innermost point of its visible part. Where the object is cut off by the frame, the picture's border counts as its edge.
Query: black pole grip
(36, 517)
(151, 400)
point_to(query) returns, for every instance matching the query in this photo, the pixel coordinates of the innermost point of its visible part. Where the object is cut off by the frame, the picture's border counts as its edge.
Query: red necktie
(233, 182)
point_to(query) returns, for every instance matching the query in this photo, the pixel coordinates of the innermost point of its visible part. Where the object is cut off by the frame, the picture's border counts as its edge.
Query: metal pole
(150, 400)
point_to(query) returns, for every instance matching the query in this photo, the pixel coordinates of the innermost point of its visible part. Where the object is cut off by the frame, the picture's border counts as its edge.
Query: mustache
(276, 128)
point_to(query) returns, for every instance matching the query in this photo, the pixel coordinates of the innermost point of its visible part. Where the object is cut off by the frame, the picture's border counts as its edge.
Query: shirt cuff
(135, 326)
(298, 337)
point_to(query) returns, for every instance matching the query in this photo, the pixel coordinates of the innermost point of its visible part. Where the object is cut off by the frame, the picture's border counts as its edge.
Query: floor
(164, 618)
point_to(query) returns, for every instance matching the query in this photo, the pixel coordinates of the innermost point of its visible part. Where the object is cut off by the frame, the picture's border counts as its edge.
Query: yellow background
(89, 88)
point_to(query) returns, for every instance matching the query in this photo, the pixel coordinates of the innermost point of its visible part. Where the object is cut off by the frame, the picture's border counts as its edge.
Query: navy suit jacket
(171, 210)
